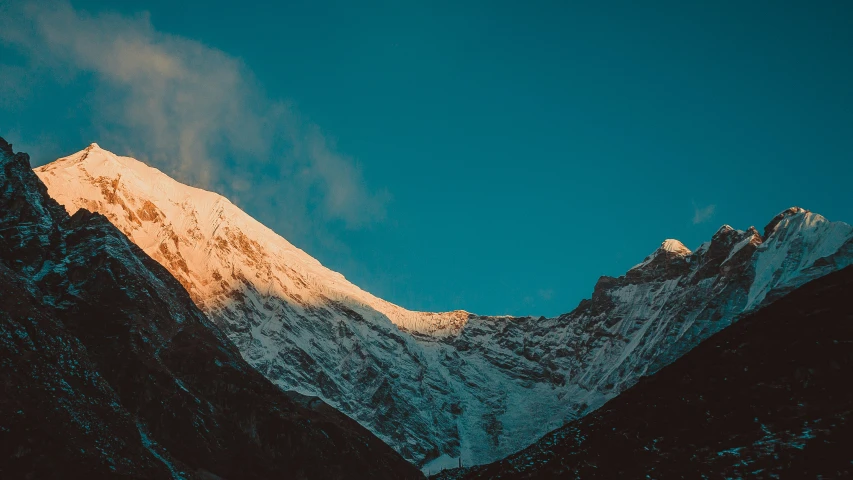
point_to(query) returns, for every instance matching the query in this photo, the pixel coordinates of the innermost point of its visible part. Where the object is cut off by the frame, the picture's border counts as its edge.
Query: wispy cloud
(702, 214)
(546, 293)
(194, 112)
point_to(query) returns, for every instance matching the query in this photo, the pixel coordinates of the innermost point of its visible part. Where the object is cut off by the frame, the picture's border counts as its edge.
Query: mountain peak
(70, 283)
(674, 246)
(206, 233)
(669, 249)
(97, 151)
(790, 212)
(92, 155)
(723, 229)
(6, 147)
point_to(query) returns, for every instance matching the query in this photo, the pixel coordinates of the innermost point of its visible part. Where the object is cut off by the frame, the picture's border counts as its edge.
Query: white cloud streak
(702, 214)
(196, 113)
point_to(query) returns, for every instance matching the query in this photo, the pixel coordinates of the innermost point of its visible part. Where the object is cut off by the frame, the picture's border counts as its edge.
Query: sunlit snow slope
(437, 386)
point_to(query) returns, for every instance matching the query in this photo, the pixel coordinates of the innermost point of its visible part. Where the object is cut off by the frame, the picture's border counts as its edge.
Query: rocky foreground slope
(107, 368)
(440, 386)
(768, 397)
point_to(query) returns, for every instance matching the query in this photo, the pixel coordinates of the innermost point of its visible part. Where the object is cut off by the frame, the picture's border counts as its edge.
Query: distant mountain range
(110, 370)
(440, 387)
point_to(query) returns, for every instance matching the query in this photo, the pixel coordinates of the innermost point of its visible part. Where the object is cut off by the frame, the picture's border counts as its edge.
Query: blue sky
(496, 157)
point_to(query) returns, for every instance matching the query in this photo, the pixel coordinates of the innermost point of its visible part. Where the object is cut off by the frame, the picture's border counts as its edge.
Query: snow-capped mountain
(768, 397)
(108, 368)
(437, 386)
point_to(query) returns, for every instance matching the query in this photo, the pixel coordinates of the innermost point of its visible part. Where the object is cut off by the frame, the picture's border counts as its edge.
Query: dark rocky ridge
(108, 367)
(768, 397)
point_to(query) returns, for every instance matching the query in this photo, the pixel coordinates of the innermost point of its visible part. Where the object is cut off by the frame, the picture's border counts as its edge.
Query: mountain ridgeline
(440, 387)
(110, 369)
(768, 397)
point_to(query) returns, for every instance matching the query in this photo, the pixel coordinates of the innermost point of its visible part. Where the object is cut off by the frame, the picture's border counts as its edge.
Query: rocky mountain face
(768, 397)
(110, 369)
(439, 387)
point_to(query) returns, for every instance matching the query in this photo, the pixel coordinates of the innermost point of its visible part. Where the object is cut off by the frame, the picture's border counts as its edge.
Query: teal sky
(496, 157)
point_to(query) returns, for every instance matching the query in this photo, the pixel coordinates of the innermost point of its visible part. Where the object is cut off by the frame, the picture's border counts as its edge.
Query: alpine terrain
(768, 397)
(109, 369)
(442, 387)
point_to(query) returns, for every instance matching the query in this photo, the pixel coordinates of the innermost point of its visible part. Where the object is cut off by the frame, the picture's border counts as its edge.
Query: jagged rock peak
(7, 155)
(781, 216)
(674, 246)
(6, 146)
(669, 249)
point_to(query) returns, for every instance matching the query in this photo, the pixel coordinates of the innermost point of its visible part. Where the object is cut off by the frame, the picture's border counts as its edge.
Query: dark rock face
(768, 397)
(108, 367)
